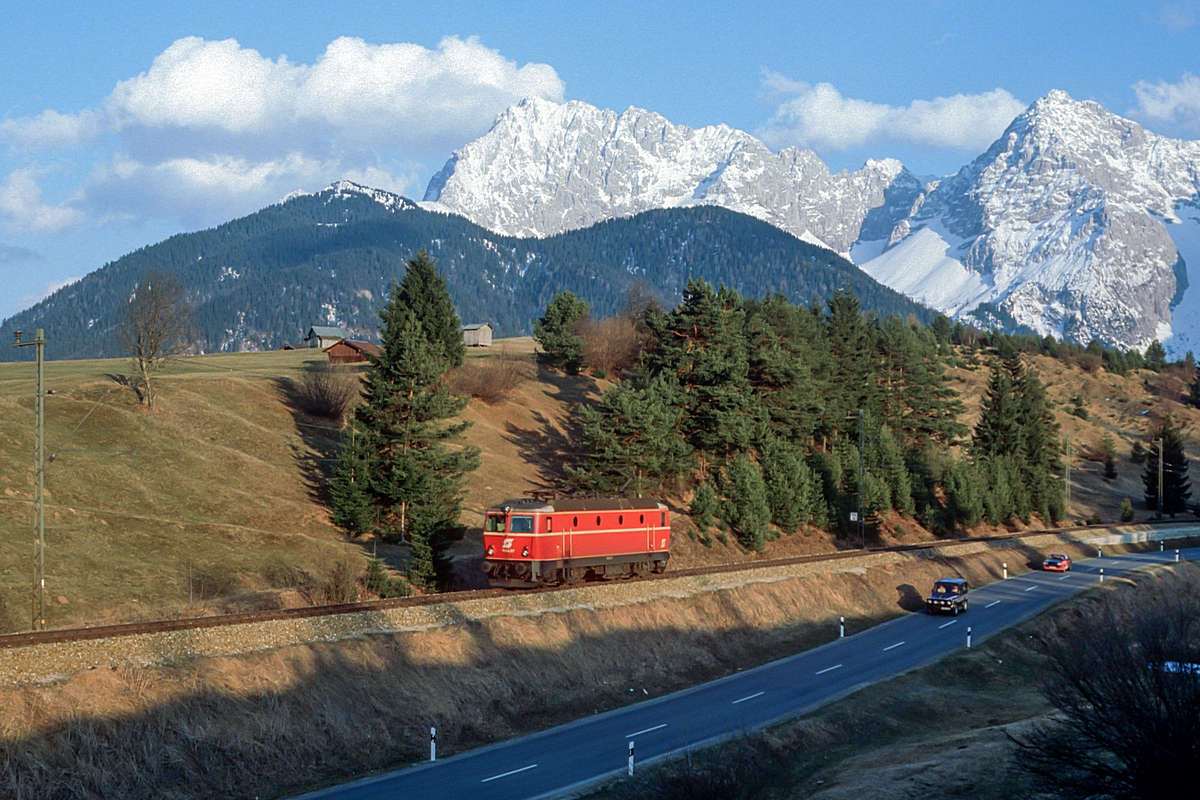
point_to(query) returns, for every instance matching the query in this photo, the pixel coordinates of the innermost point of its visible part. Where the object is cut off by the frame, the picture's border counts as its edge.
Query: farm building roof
(476, 326)
(328, 333)
(362, 347)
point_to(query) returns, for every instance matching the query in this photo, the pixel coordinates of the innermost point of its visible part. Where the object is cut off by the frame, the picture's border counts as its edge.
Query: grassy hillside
(220, 506)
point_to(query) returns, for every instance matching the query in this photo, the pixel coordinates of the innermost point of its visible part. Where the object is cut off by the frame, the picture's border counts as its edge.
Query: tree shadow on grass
(321, 442)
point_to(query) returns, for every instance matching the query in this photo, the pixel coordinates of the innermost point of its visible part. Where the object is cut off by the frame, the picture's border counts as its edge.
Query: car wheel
(956, 611)
(964, 606)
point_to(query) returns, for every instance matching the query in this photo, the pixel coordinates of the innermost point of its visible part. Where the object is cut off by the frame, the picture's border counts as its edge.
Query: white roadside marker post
(968, 637)
(1161, 545)
(631, 759)
(1005, 565)
(842, 627)
(1102, 574)
(1176, 556)
(1099, 551)
(433, 744)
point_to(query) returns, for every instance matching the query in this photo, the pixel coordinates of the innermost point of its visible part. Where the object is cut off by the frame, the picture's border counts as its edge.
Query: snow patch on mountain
(547, 167)
(1185, 317)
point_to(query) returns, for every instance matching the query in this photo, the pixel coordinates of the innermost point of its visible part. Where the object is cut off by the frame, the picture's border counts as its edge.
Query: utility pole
(1160, 477)
(38, 596)
(1067, 507)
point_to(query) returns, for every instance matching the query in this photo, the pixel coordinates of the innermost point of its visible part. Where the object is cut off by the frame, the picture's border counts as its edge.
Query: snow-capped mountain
(546, 167)
(1075, 222)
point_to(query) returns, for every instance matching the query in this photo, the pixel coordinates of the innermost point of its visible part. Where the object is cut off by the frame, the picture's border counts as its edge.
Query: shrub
(1126, 510)
(1137, 454)
(341, 586)
(1094, 518)
(326, 391)
(490, 379)
(610, 345)
(378, 581)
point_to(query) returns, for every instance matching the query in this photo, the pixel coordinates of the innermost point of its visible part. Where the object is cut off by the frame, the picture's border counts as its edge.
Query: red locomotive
(531, 541)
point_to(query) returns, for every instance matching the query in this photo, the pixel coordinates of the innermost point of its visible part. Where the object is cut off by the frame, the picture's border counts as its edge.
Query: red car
(1057, 562)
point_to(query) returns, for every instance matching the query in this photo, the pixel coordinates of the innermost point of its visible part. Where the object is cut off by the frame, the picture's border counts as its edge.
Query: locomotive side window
(621, 520)
(521, 524)
(641, 519)
(549, 524)
(597, 522)
(575, 522)
(495, 523)
(662, 520)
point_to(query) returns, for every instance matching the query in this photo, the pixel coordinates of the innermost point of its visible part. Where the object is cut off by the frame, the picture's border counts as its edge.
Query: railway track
(60, 635)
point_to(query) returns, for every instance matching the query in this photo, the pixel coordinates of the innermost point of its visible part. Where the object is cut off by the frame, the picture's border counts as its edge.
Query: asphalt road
(547, 763)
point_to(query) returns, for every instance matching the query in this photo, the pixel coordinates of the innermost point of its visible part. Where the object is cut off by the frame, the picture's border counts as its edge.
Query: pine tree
(555, 331)
(998, 431)
(852, 384)
(745, 509)
(398, 435)
(633, 439)
(702, 346)
(1194, 390)
(1156, 356)
(1177, 488)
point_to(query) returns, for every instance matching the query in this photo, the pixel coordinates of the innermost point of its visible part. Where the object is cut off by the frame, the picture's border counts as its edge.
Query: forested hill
(329, 258)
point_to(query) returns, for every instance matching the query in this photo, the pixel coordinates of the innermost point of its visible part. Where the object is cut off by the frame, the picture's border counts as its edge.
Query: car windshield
(521, 524)
(945, 588)
(1057, 557)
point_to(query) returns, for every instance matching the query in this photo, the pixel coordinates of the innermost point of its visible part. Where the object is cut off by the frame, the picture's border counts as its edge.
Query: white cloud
(1172, 103)
(213, 129)
(1178, 16)
(51, 129)
(33, 298)
(22, 209)
(819, 117)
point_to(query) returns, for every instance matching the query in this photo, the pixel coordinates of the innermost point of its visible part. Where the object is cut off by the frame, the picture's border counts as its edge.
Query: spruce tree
(1193, 398)
(852, 384)
(790, 484)
(745, 510)
(398, 435)
(1177, 488)
(425, 295)
(555, 331)
(702, 508)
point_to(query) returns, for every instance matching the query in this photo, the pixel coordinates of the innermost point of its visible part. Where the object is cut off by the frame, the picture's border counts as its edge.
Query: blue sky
(123, 123)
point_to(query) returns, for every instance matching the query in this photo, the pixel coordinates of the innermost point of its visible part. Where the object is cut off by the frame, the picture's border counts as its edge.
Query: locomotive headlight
(525, 553)
(491, 550)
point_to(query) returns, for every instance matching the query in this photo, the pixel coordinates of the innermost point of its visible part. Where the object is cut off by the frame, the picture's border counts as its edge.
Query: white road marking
(506, 774)
(948, 624)
(1031, 588)
(1064, 577)
(892, 647)
(828, 669)
(639, 733)
(748, 697)
(989, 605)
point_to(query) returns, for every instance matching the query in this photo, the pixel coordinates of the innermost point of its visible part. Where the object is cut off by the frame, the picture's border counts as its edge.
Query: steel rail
(62, 635)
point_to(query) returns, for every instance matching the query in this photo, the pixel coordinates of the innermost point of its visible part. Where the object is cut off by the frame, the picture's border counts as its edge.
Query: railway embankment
(815, 600)
(271, 708)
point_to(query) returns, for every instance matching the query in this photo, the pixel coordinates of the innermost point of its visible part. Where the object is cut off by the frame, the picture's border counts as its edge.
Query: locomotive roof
(578, 504)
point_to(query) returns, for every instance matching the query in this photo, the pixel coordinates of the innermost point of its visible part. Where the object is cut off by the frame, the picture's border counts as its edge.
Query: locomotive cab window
(662, 520)
(549, 524)
(495, 523)
(521, 524)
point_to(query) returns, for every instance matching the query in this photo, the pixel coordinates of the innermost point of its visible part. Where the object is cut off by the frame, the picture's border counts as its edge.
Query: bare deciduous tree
(1126, 682)
(610, 345)
(156, 326)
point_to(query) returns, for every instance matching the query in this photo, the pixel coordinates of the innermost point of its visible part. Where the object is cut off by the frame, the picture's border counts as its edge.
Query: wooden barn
(351, 352)
(479, 335)
(322, 337)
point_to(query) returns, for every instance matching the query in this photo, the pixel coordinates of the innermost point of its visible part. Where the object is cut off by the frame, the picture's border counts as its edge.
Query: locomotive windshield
(495, 523)
(521, 524)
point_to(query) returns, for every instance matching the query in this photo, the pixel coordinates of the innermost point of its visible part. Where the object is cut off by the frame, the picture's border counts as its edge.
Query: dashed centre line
(1031, 588)
(892, 647)
(647, 730)
(747, 697)
(828, 669)
(948, 624)
(506, 774)
(989, 605)
(1064, 577)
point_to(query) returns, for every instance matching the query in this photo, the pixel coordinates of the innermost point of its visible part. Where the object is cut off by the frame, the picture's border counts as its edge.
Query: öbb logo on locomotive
(532, 541)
